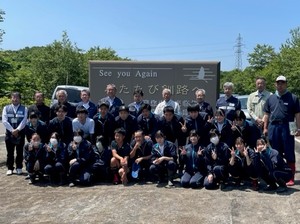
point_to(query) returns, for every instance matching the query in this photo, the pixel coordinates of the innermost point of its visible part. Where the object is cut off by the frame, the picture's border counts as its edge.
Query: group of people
(114, 142)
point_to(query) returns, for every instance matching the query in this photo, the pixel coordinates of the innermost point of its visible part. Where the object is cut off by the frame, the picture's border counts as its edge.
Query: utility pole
(238, 52)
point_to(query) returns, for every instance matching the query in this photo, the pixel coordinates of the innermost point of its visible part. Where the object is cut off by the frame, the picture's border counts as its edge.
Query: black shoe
(281, 189)
(270, 188)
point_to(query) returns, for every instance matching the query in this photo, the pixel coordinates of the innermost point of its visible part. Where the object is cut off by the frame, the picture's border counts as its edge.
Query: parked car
(243, 99)
(72, 91)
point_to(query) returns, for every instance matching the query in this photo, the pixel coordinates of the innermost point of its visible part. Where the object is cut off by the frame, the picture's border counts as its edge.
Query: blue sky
(153, 30)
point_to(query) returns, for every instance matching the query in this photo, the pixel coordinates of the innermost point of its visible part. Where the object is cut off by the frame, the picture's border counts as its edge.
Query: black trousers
(10, 147)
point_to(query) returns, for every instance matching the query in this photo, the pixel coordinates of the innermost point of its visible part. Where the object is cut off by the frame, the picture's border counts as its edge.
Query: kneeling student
(274, 170)
(163, 157)
(34, 156)
(194, 163)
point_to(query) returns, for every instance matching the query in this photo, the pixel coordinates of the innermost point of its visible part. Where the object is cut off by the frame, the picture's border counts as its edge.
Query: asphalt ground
(146, 203)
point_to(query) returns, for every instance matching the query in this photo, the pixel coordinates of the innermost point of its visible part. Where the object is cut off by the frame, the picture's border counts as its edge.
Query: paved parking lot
(106, 203)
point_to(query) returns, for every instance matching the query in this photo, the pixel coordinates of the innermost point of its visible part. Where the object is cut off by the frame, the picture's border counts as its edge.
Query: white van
(72, 91)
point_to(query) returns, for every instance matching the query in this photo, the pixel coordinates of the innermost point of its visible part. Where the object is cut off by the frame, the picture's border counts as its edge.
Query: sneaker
(27, 177)
(71, 184)
(19, 171)
(31, 181)
(9, 172)
(281, 189)
(290, 183)
(255, 186)
(170, 183)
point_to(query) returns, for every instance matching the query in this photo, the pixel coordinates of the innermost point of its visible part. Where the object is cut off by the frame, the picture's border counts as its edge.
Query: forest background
(63, 62)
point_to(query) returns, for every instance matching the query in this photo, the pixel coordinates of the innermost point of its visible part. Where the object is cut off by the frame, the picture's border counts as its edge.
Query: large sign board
(182, 78)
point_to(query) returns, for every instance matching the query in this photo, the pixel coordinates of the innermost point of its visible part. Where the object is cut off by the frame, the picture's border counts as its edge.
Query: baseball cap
(135, 170)
(281, 78)
(103, 103)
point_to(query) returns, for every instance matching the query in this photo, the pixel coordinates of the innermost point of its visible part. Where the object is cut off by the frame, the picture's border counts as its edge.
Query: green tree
(2, 32)
(289, 63)
(261, 57)
(59, 63)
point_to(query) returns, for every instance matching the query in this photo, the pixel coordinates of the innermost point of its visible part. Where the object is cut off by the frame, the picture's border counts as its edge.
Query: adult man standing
(228, 102)
(280, 110)
(114, 102)
(86, 103)
(40, 107)
(62, 99)
(203, 105)
(256, 102)
(14, 118)
(166, 94)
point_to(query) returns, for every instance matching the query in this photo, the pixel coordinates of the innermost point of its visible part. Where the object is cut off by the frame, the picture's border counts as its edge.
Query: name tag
(14, 120)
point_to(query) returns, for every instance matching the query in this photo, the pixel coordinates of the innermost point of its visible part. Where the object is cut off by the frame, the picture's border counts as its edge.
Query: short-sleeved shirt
(88, 127)
(282, 108)
(121, 151)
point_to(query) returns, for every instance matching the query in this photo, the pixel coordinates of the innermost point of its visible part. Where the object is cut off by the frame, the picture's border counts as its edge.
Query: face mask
(214, 140)
(99, 146)
(53, 141)
(36, 144)
(77, 139)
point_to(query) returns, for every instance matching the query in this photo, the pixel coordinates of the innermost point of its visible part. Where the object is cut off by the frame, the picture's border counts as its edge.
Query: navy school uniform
(207, 108)
(114, 107)
(81, 169)
(71, 110)
(195, 168)
(92, 108)
(104, 126)
(240, 169)
(249, 132)
(218, 167)
(101, 164)
(63, 128)
(149, 126)
(30, 158)
(200, 125)
(56, 161)
(273, 168)
(134, 108)
(41, 129)
(172, 129)
(165, 167)
(224, 130)
(130, 126)
(43, 110)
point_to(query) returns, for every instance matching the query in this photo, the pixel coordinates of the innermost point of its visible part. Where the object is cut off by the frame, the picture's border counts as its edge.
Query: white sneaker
(9, 172)
(19, 171)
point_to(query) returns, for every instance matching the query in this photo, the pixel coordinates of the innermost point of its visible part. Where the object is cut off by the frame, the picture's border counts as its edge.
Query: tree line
(63, 62)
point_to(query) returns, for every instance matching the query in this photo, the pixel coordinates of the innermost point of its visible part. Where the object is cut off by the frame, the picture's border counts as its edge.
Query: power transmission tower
(238, 52)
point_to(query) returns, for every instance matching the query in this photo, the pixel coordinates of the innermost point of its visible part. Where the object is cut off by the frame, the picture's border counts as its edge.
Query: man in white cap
(281, 109)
